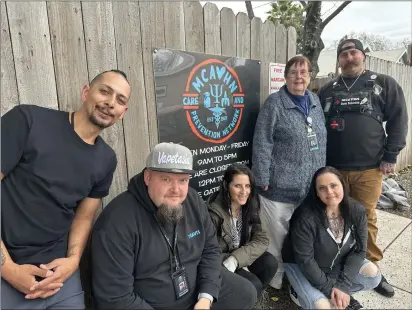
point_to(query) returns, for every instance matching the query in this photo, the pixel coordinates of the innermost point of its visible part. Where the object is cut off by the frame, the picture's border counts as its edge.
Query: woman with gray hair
(289, 145)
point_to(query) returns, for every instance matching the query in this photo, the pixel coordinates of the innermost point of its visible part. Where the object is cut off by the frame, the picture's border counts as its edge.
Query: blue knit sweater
(282, 158)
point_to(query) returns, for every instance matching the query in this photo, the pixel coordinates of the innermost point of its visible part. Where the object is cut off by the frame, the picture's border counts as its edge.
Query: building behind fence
(403, 75)
(49, 50)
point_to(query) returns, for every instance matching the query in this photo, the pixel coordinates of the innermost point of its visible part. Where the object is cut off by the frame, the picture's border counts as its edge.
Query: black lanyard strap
(173, 249)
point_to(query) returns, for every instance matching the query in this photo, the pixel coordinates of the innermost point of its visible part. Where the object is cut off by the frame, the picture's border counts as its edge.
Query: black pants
(236, 292)
(261, 271)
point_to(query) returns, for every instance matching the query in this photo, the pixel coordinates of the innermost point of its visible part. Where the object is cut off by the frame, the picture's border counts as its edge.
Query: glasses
(294, 73)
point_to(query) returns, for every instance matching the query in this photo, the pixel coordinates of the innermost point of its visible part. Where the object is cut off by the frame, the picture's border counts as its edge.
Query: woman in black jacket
(326, 246)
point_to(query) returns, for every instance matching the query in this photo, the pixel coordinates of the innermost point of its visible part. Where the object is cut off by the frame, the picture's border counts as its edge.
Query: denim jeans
(308, 295)
(70, 296)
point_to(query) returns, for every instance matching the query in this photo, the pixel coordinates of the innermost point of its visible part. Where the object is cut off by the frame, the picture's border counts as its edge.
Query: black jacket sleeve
(355, 259)
(396, 117)
(15, 128)
(303, 238)
(208, 270)
(112, 264)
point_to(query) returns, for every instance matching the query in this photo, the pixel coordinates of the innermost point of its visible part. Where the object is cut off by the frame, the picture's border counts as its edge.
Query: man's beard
(96, 122)
(169, 214)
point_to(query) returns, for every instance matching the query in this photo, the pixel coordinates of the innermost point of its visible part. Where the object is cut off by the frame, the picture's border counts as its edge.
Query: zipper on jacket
(339, 247)
(337, 254)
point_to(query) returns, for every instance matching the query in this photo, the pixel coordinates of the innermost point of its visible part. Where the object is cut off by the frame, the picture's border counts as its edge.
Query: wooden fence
(49, 50)
(403, 75)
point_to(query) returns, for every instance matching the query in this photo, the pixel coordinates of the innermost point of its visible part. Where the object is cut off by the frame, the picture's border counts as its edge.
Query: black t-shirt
(48, 169)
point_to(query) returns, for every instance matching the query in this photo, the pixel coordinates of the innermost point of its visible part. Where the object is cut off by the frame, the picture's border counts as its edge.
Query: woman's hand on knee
(340, 299)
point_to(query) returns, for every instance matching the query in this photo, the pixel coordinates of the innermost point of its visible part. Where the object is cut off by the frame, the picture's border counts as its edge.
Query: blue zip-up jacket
(282, 158)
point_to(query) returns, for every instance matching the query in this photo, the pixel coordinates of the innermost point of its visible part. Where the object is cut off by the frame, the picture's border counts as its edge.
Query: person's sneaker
(294, 296)
(354, 304)
(384, 288)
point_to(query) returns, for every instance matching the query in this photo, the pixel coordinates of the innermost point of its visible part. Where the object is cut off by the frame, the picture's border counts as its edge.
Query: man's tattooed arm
(3, 257)
(72, 250)
(4, 254)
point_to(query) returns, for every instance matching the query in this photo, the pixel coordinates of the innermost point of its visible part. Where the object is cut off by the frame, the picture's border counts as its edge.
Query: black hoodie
(130, 257)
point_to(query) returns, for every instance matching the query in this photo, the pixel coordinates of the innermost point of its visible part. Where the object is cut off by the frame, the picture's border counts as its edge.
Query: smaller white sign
(276, 76)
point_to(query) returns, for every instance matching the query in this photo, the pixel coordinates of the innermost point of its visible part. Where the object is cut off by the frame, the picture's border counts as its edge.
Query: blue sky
(391, 19)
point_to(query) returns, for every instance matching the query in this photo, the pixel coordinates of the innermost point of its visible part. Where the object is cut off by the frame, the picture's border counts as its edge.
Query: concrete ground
(395, 238)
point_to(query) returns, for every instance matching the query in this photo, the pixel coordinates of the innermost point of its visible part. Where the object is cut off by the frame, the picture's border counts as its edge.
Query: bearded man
(155, 246)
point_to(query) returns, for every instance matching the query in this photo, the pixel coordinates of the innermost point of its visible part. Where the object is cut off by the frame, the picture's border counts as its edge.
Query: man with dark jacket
(356, 104)
(155, 246)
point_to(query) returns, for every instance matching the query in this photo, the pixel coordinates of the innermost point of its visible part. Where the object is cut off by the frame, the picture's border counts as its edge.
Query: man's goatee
(169, 214)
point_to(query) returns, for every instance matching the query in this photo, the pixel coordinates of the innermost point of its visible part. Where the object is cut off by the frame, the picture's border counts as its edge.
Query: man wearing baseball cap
(356, 104)
(155, 246)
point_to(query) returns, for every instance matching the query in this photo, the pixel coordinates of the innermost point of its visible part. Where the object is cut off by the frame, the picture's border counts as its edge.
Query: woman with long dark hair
(325, 250)
(234, 210)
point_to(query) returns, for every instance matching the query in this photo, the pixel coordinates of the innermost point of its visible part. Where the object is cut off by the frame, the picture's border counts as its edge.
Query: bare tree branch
(249, 9)
(303, 3)
(331, 16)
(335, 4)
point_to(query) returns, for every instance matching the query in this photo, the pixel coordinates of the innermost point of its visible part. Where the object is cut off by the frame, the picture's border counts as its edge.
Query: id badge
(180, 283)
(313, 141)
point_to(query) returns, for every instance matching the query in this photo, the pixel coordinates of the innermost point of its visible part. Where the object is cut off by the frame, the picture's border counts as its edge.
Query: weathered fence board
(268, 56)
(281, 44)
(256, 43)
(194, 30)
(153, 36)
(9, 93)
(101, 56)
(211, 17)
(256, 38)
(292, 37)
(242, 35)
(69, 54)
(29, 28)
(174, 23)
(130, 60)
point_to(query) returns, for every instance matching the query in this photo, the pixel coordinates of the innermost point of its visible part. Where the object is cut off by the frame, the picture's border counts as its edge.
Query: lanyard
(308, 119)
(173, 249)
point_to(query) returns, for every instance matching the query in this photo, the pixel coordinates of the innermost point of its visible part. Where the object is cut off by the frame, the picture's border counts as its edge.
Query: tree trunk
(249, 9)
(313, 27)
(312, 43)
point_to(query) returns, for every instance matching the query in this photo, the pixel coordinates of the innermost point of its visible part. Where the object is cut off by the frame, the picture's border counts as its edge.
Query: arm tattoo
(3, 257)
(72, 250)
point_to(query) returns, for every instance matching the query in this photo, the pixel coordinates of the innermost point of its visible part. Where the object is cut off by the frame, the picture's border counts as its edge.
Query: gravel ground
(279, 299)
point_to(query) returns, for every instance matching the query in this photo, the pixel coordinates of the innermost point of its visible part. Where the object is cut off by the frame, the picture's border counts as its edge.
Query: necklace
(348, 88)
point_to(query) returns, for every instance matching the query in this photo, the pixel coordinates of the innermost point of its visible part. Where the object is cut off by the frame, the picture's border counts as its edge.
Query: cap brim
(177, 171)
